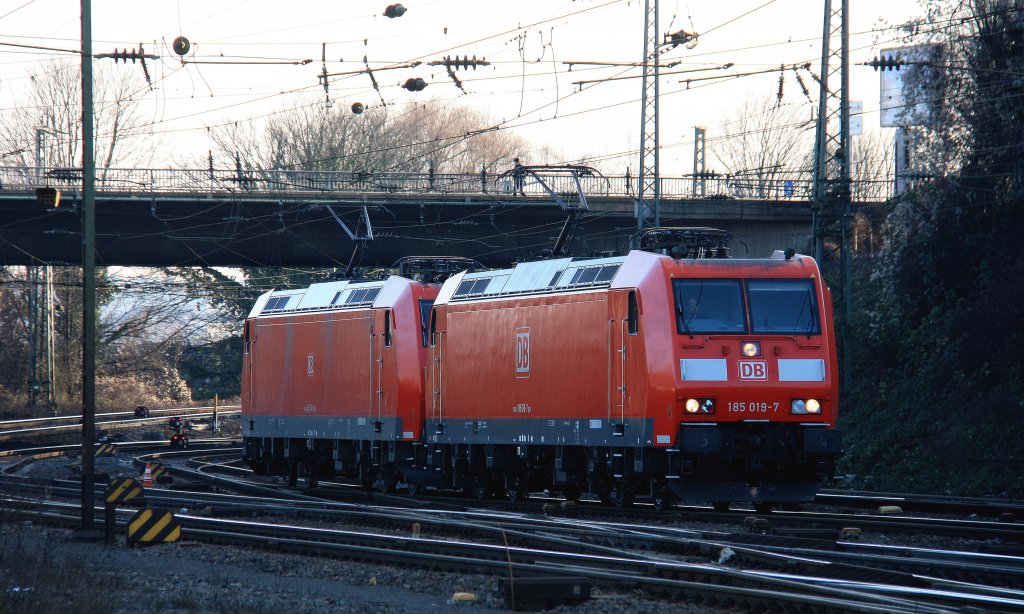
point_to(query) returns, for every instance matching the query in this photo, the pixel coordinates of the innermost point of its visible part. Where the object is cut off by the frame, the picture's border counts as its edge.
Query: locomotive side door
(382, 365)
(623, 326)
(436, 340)
(250, 345)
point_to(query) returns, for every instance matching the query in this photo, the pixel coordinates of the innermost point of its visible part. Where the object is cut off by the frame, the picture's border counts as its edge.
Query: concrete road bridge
(180, 217)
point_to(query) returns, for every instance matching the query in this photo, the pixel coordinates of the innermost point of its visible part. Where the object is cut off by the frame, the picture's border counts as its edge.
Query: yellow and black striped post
(119, 490)
(106, 449)
(149, 526)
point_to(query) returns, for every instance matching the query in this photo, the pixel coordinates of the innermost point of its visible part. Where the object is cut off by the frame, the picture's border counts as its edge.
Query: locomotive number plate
(752, 407)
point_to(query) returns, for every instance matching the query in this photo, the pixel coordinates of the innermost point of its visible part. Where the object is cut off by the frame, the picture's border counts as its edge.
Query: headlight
(750, 348)
(700, 406)
(808, 406)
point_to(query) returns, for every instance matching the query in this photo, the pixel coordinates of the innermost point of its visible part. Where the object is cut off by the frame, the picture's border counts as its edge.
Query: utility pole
(648, 198)
(40, 328)
(40, 153)
(88, 276)
(832, 215)
(40, 323)
(699, 162)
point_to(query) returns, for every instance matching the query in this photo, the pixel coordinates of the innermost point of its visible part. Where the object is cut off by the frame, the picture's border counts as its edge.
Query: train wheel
(663, 498)
(621, 495)
(412, 488)
(479, 489)
(514, 490)
(572, 493)
(385, 483)
(312, 479)
(720, 506)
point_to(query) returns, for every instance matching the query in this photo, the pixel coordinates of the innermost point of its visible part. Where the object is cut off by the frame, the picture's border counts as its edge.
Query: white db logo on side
(522, 352)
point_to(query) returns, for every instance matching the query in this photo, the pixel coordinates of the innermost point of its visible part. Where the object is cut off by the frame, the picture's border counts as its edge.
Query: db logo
(522, 352)
(753, 369)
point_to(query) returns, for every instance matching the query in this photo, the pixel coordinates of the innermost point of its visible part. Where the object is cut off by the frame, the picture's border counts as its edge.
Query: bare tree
(424, 136)
(13, 329)
(452, 138)
(52, 110)
(872, 167)
(765, 142)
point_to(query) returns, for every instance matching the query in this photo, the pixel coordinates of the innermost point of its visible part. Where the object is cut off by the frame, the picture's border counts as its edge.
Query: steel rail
(794, 551)
(839, 560)
(977, 529)
(78, 417)
(923, 503)
(759, 555)
(123, 445)
(123, 422)
(701, 583)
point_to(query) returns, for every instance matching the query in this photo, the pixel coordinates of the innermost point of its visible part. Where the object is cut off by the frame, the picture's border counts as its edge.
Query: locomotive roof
(328, 295)
(566, 274)
(532, 277)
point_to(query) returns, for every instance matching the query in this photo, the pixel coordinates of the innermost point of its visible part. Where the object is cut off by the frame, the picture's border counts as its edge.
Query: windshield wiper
(683, 320)
(803, 306)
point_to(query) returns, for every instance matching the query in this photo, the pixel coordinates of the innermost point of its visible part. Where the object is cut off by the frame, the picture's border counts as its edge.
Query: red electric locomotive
(699, 379)
(333, 378)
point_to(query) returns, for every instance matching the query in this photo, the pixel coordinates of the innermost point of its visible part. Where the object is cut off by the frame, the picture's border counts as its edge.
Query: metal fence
(277, 181)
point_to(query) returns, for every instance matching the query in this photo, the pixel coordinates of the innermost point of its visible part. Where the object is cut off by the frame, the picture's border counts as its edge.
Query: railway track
(757, 567)
(699, 583)
(1006, 510)
(28, 427)
(793, 523)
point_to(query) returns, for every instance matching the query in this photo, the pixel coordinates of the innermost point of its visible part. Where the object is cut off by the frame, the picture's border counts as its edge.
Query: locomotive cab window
(783, 306)
(425, 312)
(387, 328)
(633, 314)
(709, 306)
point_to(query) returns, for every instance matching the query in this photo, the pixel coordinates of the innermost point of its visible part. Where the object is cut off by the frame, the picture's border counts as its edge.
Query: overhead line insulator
(892, 62)
(454, 63)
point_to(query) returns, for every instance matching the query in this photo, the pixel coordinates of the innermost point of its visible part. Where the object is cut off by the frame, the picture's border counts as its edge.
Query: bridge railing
(278, 181)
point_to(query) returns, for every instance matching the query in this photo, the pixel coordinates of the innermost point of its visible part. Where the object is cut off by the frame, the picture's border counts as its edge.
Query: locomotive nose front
(756, 385)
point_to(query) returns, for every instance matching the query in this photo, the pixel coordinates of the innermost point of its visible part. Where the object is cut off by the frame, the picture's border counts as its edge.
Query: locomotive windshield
(777, 306)
(709, 306)
(783, 306)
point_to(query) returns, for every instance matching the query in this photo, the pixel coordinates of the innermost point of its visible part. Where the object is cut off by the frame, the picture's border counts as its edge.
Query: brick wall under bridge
(296, 229)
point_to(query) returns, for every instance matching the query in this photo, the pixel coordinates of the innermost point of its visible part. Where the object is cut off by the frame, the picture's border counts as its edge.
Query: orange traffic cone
(147, 477)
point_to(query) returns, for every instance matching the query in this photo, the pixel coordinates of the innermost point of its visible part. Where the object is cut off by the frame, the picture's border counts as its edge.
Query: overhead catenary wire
(454, 139)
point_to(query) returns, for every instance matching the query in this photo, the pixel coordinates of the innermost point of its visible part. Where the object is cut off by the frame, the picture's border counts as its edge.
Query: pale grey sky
(529, 86)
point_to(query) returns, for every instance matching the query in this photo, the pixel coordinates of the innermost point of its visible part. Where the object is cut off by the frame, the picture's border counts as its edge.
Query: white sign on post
(856, 118)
